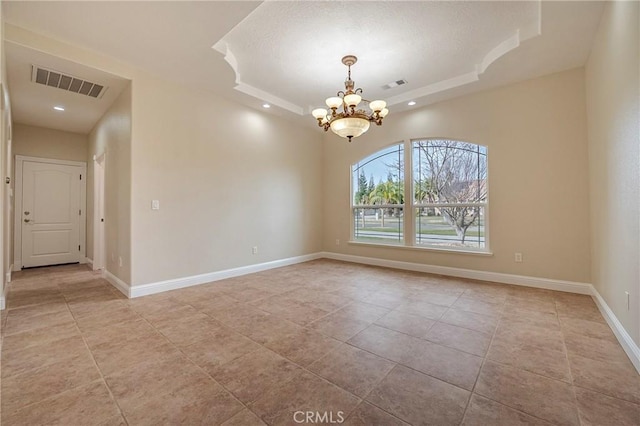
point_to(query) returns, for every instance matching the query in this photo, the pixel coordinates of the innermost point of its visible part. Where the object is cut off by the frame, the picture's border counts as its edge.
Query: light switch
(155, 204)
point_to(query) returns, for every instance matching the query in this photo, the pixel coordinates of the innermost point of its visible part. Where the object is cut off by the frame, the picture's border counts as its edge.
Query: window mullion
(408, 212)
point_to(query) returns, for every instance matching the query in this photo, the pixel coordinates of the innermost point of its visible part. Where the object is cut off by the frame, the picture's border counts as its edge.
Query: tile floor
(368, 345)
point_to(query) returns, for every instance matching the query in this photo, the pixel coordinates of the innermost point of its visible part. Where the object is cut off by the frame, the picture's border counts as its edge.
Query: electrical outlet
(254, 250)
(155, 204)
(518, 257)
(337, 242)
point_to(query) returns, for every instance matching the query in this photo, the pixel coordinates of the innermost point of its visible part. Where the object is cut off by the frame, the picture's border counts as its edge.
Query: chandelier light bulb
(334, 102)
(377, 106)
(352, 100)
(319, 113)
(384, 112)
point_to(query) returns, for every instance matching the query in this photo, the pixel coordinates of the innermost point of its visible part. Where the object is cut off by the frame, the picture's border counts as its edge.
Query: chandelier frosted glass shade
(350, 127)
(344, 118)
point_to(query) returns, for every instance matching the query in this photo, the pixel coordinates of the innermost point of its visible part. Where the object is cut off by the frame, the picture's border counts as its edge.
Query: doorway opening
(99, 243)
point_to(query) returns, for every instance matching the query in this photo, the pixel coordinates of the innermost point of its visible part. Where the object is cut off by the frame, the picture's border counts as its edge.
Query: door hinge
(80, 212)
(78, 247)
(80, 177)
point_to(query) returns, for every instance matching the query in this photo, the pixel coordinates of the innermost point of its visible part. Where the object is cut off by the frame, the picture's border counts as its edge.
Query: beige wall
(48, 143)
(111, 136)
(536, 137)
(613, 109)
(227, 177)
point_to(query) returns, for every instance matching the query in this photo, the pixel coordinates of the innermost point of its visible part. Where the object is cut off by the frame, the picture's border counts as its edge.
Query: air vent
(394, 84)
(66, 82)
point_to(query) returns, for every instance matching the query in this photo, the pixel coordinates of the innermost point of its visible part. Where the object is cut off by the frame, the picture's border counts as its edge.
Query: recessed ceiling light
(58, 108)
(266, 106)
(411, 103)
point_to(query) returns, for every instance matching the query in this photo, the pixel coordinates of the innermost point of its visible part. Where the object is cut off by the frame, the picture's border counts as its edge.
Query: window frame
(410, 208)
(353, 207)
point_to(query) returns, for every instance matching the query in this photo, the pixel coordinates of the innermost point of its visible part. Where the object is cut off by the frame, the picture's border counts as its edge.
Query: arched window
(447, 189)
(378, 196)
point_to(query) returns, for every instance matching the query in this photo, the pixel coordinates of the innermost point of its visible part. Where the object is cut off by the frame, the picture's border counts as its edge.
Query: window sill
(420, 248)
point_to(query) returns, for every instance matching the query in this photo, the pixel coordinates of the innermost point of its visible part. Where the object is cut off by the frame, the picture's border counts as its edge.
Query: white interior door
(51, 211)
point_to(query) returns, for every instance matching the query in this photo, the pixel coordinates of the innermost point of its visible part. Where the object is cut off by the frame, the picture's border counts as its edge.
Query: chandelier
(350, 122)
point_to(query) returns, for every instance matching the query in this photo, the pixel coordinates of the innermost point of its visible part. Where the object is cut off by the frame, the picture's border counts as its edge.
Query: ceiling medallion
(350, 122)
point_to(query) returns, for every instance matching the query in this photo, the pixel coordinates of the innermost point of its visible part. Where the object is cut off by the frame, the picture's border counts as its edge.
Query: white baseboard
(161, 286)
(627, 343)
(7, 278)
(89, 262)
(2, 304)
(16, 265)
(498, 277)
(117, 283)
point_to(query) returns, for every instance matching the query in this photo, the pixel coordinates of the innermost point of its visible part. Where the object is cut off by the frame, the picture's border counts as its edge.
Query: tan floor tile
(617, 379)
(226, 345)
(365, 312)
(117, 355)
(452, 366)
(385, 300)
(293, 310)
(189, 329)
(447, 364)
(35, 297)
(146, 381)
(389, 344)
(423, 309)
(265, 329)
(34, 317)
(203, 402)
(255, 374)
(304, 347)
(352, 369)
(119, 333)
(367, 415)
(544, 361)
(598, 409)
(582, 308)
(35, 385)
(479, 306)
(539, 396)
(519, 333)
(471, 320)
(587, 328)
(527, 303)
(250, 294)
(419, 399)
(114, 421)
(33, 357)
(547, 320)
(84, 405)
(107, 317)
(413, 325)
(339, 326)
(244, 418)
(100, 292)
(484, 412)
(305, 392)
(436, 298)
(38, 337)
(463, 339)
(600, 349)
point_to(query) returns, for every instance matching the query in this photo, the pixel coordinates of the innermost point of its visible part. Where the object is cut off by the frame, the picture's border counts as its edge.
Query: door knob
(27, 220)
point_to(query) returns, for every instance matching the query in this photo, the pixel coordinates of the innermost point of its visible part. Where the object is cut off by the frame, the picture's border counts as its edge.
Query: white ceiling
(32, 103)
(288, 53)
